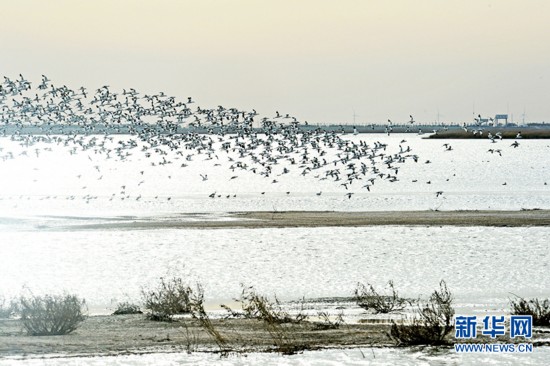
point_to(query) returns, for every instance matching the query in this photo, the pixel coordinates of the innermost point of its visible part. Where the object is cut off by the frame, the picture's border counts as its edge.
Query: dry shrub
(369, 299)
(51, 314)
(7, 308)
(171, 297)
(539, 309)
(431, 323)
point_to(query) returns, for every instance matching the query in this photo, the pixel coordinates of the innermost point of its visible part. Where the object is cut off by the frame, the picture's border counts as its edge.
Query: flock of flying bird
(164, 130)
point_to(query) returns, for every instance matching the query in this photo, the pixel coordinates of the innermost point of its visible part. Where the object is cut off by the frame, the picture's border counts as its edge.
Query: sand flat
(133, 334)
(265, 219)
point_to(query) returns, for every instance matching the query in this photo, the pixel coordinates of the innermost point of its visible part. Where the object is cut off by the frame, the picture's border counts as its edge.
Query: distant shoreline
(288, 219)
(505, 133)
(443, 130)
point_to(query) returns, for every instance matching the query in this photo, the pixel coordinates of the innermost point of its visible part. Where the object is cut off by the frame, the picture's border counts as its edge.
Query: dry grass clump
(171, 297)
(539, 309)
(199, 313)
(51, 314)
(274, 318)
(432, 322)
(176, 297)
(256, 306)
(326, 323)
(126, 307)
(369, 299)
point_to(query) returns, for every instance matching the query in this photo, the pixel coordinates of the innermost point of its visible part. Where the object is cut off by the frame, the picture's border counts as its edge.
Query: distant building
(501, 117)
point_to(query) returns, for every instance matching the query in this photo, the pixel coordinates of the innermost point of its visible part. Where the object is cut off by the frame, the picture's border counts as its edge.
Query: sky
(319, 60)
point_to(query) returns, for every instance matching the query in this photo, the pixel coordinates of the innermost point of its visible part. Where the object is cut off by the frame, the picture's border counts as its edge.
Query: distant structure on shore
(492, 121)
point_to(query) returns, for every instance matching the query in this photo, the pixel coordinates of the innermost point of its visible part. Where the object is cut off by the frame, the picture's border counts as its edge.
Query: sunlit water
(41, 191)
(87, 182)
(481, 265)
(359, 356)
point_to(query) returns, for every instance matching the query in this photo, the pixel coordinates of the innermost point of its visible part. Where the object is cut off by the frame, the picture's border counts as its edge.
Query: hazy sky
(316, 59)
